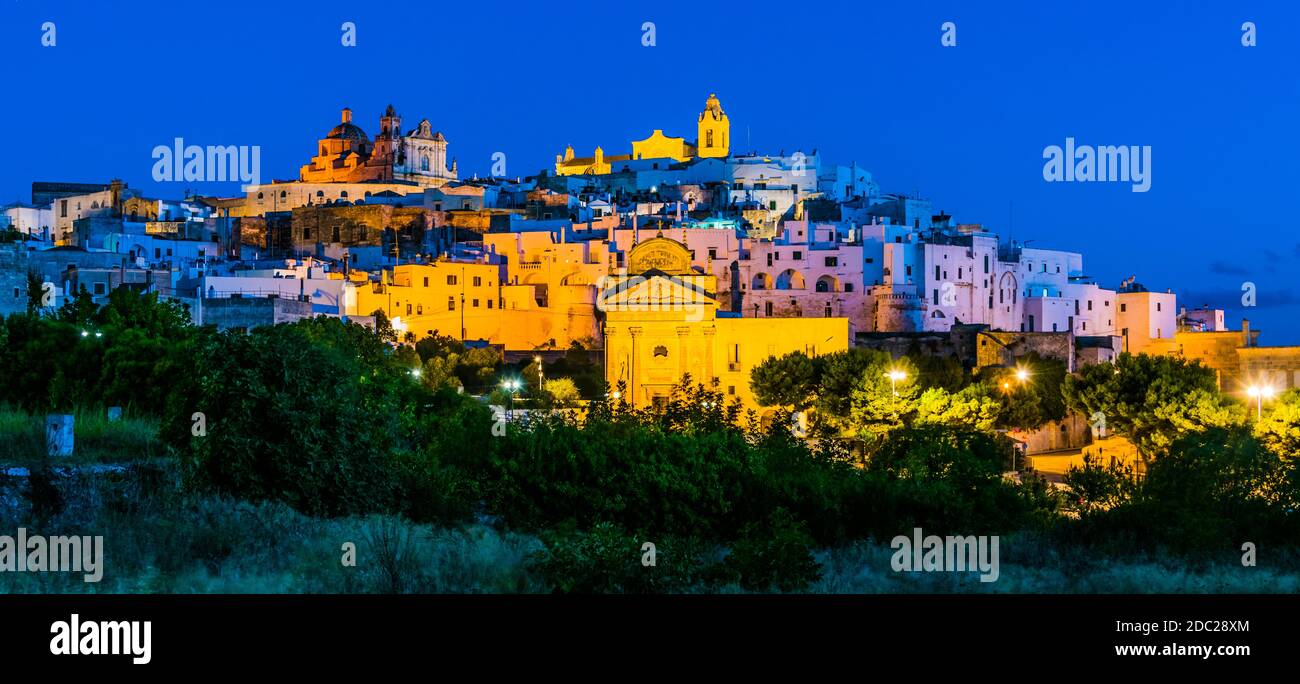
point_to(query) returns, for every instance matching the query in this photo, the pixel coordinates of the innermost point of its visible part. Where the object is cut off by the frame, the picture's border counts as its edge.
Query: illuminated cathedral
(713, 139)
(347, 155)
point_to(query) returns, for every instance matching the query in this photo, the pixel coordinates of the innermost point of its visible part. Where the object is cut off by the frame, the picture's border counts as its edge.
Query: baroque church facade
(348, 155)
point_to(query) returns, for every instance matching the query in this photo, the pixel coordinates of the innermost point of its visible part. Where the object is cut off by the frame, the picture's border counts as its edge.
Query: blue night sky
(865, 82)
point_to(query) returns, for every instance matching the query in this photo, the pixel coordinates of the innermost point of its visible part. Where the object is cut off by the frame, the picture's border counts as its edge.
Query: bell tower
(714, 130)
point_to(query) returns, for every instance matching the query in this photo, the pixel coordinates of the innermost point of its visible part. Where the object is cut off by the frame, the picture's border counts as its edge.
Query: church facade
(348, 155)
(662, 322)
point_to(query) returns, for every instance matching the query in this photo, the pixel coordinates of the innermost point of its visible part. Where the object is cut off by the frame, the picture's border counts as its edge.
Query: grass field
(97, 440)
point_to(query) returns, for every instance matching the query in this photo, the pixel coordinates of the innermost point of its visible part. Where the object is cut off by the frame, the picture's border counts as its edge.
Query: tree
(972, 407)
(1153, 399)
(1030, 392)
(880, 403)
(789, 380)
(80, 310)
(1279, 429)
(840, 374)
(384, 327)
(562, 392)
(1100, 487)
(35, 293)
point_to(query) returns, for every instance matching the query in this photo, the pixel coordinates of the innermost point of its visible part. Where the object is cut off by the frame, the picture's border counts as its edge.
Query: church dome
(347, 131)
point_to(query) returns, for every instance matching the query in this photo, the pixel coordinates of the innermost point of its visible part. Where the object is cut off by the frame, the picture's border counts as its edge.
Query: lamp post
(1260, 394)
(511, 385)
(894, 376)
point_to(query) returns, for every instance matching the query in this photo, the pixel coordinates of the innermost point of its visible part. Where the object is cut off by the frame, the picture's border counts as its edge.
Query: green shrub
(774, 554)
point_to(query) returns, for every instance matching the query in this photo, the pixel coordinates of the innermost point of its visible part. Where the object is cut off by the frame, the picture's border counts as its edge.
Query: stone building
(347, 155)
(662, 323)
(398, 230)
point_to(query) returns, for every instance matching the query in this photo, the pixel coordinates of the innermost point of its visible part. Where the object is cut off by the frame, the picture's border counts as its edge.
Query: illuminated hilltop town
(670, 256)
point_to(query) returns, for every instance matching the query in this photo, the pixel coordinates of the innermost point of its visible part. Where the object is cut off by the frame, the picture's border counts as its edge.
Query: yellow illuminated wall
(661, 323)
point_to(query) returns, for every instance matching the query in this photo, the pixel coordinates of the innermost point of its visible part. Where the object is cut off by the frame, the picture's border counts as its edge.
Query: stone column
(633, 384)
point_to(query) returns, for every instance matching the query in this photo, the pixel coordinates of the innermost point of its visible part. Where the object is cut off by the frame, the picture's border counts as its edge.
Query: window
(1090, 305)
(451, 280)
(408, 308)
(767, 308)
(832, 261)
(426, 281)
(478, 281)
(1123, 308)
(1157, 306)
(63, 208)
(848, 287)
(870, 260)
(986, 263)
(959, 273)
(99, 288)
(475, 303)
(936, 273)
(451, 303)
(306, 233)
(15, 293)
(936, 297)
(489, 303)
(661, 350)
(798, 256)
(909, 270)
(419, 309)
(335, 234)
(713, 252)
(828, 311)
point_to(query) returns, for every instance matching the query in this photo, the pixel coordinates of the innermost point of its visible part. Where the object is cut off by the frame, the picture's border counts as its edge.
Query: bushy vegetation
(324, 431)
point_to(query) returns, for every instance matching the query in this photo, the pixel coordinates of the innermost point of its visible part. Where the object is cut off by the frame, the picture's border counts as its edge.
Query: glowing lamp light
(1022, 375)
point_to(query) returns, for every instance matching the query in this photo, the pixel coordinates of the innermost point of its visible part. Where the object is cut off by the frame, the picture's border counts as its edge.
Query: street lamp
(541, 379)
(894, 376)
(1260, 394)
(511, 385)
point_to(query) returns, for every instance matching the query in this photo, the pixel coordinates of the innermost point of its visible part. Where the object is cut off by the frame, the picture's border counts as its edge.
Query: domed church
(347, 155)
